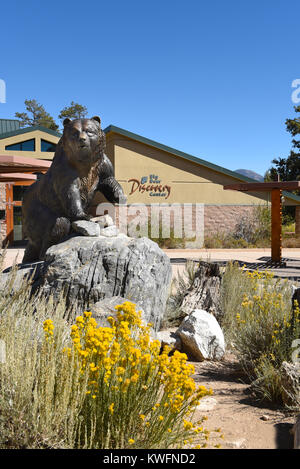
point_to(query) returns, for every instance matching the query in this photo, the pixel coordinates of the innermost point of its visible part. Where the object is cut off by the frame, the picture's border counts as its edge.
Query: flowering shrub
(89, 386)
(265, 326)
(135, 396)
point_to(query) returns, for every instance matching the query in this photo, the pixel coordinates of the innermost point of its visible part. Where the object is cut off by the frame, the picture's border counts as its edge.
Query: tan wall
(189, 182)
(37, 135)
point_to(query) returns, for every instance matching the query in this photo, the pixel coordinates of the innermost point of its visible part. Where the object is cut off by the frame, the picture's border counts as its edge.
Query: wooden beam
(9, 214)
(276, 249)
(12, 177)
(263, 186)
(24, 164)
(21, 169)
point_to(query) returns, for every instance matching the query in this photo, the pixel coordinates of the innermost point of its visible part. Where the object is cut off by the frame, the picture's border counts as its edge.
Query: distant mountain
(250, 174)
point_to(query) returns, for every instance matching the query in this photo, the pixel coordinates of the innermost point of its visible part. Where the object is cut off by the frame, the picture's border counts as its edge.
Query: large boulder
(89, 269)
(106, 308)
(201, 336)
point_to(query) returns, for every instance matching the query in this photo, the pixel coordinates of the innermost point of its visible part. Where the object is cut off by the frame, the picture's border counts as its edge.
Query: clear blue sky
(211, 78)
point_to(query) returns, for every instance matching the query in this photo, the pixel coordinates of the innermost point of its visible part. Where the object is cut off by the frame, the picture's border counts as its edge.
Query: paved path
(253, 259)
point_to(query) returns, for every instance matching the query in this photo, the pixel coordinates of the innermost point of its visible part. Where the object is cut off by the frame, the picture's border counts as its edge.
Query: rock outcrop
(89, 269)
(204, 293)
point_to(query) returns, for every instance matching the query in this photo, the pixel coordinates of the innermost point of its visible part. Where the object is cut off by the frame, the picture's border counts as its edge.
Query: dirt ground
(245, 422)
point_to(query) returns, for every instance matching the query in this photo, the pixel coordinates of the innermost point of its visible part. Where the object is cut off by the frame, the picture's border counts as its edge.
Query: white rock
(207, 404)
(103, 221)
(201, 336)
(238, 444)
(86, 228)
(109, 231)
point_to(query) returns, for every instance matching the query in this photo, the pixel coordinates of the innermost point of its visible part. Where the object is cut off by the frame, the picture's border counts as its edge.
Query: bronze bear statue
(79, 169)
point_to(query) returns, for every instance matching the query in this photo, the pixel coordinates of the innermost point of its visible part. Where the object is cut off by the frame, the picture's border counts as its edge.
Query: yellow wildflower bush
(136, 396)
(84, 386)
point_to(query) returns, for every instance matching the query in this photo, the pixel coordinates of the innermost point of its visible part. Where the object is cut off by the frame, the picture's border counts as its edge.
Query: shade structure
(22, 164)
(276, 189)
(264, 186)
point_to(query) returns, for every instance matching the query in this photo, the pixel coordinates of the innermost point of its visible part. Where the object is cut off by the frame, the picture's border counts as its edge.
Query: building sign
(150, 184)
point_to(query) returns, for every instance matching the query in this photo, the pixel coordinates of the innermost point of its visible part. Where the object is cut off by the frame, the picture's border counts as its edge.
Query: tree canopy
(35, 115)
(74, 111)
(288, 168)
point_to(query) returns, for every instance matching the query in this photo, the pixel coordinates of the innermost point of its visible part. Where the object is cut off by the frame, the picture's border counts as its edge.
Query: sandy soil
(245, 422)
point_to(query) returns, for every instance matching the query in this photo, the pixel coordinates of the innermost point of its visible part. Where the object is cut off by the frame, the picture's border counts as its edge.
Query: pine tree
(289, 168)
(35, 115)
(74, 111)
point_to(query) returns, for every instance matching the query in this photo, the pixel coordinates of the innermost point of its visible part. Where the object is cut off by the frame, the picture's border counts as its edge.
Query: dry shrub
(261, 325)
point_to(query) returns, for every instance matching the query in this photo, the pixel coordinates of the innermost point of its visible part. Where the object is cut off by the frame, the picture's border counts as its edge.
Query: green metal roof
(29, 129)
(9, 125)
(194, 159)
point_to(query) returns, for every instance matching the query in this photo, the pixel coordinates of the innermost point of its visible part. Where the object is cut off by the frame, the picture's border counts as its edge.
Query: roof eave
(26, 130)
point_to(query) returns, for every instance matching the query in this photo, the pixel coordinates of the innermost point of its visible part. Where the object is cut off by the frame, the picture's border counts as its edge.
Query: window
(27, 145)
(18, 192)
(47, 146)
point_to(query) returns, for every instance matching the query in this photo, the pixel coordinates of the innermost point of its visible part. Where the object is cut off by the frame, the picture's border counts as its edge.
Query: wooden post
(276, 253)
(9, 214)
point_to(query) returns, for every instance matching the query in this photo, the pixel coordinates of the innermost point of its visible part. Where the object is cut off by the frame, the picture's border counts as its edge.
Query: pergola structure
(17, 168)
(276, 189)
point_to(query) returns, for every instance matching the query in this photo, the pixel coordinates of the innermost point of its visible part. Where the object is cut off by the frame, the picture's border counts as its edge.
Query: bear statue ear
(66, 121)
(97, 118)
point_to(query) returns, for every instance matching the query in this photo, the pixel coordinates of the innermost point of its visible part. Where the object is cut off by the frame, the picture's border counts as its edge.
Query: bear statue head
(83, 141)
